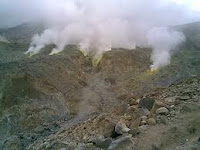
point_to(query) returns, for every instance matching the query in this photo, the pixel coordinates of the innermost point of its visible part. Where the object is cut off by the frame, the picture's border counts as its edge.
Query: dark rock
(146, 103)
(199, 139)
(142, 112)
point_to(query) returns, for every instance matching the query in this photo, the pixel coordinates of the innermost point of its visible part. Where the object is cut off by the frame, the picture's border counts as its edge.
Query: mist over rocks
(163, 41)
(99, 26)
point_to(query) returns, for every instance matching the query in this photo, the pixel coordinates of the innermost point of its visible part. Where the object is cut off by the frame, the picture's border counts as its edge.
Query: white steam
(163, 41)
(99, 25)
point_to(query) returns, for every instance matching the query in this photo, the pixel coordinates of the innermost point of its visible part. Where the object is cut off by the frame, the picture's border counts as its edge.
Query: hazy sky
(13, 12)
(191, 4)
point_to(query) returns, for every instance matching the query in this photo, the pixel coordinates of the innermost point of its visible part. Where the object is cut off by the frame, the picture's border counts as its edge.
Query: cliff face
(42, 94)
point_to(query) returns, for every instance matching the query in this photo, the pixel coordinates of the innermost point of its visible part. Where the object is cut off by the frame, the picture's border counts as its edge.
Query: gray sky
(14, 12)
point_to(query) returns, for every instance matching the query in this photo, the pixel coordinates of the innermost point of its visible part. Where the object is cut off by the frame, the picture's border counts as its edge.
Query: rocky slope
(64, 102)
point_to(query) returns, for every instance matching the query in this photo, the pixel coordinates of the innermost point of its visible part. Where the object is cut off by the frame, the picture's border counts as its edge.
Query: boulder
(159, 104)
(121, 127)
(151, 121)
(146, 103)
(170, 99)
(162, 111)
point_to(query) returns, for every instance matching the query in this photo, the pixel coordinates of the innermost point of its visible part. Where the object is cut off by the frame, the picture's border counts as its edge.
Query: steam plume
(163, 41)
(99, 25)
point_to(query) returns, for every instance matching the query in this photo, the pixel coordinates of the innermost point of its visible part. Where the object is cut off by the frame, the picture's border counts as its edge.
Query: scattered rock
(131, 109)
(138, 100)
(83, 146)
(143, 120)
(172, 107)
(184, 98)
(132, 101)
(122, 143)
(172, 113)
(142, 112)
(121, 127)
(128, 117)
(146, 103)
(170, 99)
(135, 123)
(163, 119)
(151, 121)
(159, 104)
(162, 111)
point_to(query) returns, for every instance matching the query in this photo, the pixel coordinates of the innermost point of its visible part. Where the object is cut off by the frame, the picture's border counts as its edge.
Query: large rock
(162, 111)
(121, 127)
(146, 103)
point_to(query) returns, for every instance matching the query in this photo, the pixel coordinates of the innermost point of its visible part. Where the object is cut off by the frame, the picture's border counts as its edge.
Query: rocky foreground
(166, 119)
(64, 102)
